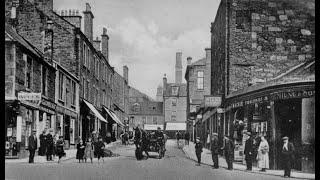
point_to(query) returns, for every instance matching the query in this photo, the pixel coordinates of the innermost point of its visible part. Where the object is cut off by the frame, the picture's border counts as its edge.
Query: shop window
(29, 72)
(61, 81)
(243, 20)
(44, 81)
(200, 78)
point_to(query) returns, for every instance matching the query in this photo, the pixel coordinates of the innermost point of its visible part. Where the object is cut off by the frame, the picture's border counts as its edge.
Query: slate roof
(301, 73)
(16, 37)
(199, 62)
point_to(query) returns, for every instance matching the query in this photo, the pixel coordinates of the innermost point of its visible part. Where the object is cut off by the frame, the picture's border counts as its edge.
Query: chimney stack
(96, 44)
(126, 73)
(178, 68)
(44, 5)
(208, 53)
(74, 18)
(164, 82)
(88, 22)
(105, 44)
(189, 59)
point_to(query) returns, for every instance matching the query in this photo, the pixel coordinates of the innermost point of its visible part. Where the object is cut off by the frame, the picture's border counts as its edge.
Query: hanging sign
(212, 101)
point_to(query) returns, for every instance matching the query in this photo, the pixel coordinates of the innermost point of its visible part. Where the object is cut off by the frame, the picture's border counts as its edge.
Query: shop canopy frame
(114, 117)
(95, 111)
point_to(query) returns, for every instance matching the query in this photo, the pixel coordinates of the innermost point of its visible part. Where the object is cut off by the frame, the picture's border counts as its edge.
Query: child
(89, 150)
(198, 148)
(80, 150)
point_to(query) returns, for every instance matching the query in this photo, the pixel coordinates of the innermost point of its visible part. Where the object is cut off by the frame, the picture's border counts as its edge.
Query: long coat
(43, 145)
(229, 149)
(263, 155)
(288, 155)
(80, 151)
(198, 148)
(215, 145)
(249, 150)
(32, 143)
(50, 144)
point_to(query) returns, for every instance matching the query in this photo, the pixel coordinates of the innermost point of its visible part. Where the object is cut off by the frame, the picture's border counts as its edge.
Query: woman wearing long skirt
(100, 149)
(60, 151)
(89, 150)
(80, 150)
(263, 155)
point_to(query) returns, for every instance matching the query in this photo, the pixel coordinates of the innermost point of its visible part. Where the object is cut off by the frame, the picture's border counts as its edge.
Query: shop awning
(152, 127)
(176, 126)
(95, 111)
(114, 117)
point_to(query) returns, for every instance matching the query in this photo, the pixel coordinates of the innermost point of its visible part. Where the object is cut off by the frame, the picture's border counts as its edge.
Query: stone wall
(179, 110)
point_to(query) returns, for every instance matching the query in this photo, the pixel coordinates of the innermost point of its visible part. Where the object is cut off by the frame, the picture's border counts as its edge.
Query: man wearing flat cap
(287, 156)
(32, 145)
(249, 151)
(215, 150)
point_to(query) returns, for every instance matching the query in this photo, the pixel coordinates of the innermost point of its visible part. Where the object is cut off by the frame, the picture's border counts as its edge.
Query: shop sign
(212, 101)
(48, 104)
(46, 110)
(70, 113)
(30, 98)
(293, 94)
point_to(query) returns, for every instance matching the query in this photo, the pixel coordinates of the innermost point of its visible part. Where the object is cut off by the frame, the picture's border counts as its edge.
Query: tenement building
(198, 77)
(263, 68)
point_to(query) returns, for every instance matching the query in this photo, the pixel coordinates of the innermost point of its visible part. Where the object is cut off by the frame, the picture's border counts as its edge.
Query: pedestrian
(32, 146)
(208, 139)
(287, 156)
(263, 155)
(126, 138)
(113, 139)
(228, 147)
(50, 145)
(215, 150)
(80, 150)
(89, 150)
(198, 148)
(249, 151)
(42, 148)
(187, 138)
(99, 148)
(108, 138)
(178, 138)
(60, 150)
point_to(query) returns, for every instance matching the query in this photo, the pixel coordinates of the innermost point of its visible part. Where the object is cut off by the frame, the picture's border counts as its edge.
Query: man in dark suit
(287, 155)
(215, 150)
(32, 146)
(249, 151)
(228, 147)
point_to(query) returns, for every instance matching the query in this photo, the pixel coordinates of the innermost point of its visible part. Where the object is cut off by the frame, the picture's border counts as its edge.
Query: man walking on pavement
(287, 155)
(215, 150)
(187, 138)
(228, 147)
(248, 151)
(32, 146)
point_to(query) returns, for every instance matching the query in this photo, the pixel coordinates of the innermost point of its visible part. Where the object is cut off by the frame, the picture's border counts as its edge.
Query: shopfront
(274, 112)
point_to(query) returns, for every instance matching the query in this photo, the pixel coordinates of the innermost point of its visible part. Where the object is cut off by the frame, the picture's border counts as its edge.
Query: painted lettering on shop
(293, 94)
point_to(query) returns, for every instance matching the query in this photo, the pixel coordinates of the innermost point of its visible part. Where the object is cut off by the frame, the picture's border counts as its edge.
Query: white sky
(146, 34)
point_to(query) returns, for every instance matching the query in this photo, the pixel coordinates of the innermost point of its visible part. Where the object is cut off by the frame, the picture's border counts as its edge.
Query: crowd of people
(255, 149)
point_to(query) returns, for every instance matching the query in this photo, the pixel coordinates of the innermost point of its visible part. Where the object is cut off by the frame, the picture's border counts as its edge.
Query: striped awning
(95, 111)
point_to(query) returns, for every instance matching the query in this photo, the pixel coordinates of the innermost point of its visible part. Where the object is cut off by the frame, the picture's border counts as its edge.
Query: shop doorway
(67, 131)
(288, 113)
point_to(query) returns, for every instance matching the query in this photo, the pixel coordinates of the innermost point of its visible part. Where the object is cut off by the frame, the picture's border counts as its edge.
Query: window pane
(60, 86)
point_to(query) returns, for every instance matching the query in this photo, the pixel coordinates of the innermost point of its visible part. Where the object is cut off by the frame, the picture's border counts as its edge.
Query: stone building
(144, 111)
(29, 92)
(255, 45)
(198, 77)
(175, 98)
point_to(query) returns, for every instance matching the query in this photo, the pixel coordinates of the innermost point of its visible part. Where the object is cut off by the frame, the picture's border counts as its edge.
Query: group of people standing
(50, 145)
(185, 136)
(254, 150)
(86, 150)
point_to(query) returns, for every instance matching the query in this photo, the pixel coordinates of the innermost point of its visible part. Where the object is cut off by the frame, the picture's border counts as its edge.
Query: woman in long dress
(89, 150)
(80, 150)
(60, 151)
(263, 155)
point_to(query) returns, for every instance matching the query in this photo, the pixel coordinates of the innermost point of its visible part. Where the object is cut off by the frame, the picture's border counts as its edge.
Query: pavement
(206, 159)
(70, 154)
(174, 165)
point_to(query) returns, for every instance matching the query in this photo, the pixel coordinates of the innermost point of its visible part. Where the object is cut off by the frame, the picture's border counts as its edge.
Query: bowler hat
(215, 134)
(284, 138)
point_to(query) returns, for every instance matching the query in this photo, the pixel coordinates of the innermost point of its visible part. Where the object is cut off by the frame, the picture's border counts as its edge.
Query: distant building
(159, 95)
(143, 110)
(198, 77)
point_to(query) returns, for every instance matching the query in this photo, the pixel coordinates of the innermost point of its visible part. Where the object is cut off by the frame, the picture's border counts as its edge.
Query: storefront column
(38, 128)
(308, 138)
(273, 164)
(19, 132)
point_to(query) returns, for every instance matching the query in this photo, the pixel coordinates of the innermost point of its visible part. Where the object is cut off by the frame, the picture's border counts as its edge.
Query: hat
(215, 134)
(198, 138)
(34, 130)
(249, 133)
(284, 138)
